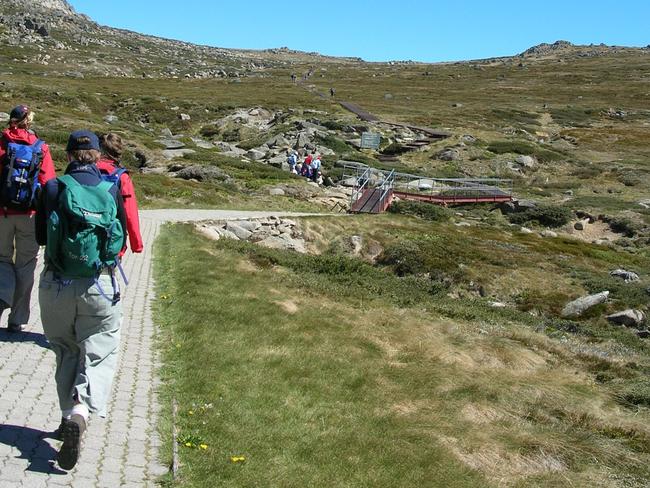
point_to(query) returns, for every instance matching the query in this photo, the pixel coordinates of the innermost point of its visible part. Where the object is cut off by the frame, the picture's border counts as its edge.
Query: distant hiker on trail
(292, 160)
(315, 169)
(332, 92)
(306, 166)
(81, 221)
(293, 77)
(26, 165)
(112, 170)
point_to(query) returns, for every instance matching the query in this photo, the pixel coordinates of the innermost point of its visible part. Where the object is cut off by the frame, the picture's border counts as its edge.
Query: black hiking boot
(73, 430)
(58, 433)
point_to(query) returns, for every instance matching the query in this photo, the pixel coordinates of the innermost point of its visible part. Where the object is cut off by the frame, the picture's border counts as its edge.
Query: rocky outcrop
(274, 232)
(202, 173)
(628, 318)
(627, 276)
(578, 307)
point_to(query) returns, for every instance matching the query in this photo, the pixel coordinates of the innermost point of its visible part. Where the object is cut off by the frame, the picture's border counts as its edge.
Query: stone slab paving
(121, 450)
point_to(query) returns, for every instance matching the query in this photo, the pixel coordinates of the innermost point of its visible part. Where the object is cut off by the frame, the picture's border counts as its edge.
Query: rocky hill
(50, 32)
(565, 48)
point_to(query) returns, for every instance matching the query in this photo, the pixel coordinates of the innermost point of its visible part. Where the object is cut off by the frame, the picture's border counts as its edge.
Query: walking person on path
(81, 221)
(112, 148)
(26, 166)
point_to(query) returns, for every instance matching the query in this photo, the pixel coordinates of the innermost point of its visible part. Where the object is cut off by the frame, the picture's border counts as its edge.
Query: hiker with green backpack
(81, 221)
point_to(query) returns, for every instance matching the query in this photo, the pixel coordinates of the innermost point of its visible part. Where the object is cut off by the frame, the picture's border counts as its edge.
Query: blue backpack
(19, 184)
(115, 176)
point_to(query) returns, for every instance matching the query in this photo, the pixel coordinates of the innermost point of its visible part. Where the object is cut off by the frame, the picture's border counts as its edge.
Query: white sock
(81, 409)
(66, 414)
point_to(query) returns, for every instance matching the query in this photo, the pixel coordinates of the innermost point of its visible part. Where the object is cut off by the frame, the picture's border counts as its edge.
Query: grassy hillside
(328, 371)
(437, 355)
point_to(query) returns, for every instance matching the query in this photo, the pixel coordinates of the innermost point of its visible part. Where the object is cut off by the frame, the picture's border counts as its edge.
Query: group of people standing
(310, 167)
(84, 219)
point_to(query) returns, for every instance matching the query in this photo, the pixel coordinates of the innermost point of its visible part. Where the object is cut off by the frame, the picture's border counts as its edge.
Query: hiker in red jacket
(112, 148)
(17, 202)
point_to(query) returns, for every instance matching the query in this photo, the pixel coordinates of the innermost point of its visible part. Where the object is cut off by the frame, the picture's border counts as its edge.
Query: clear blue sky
(382, 30)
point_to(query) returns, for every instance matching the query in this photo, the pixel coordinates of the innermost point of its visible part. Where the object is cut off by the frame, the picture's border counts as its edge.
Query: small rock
(249, 225)
(227, 234)
(111, 119)
(276, 192)
(184, 117)
(548, 233)
(171, 143)
(255, 154)
(457, 105)
(166, 132)
(525, 230)
(177, 153)
(4, 117)
(356, 242)
(202, 144)
(350, 182)
(526, 161)
(468, 138)
(627, 276)
(202, 173)
(239, 231)
(581, 305)
(497, 305)
(628, 318)
(448, 155)
(580, 225)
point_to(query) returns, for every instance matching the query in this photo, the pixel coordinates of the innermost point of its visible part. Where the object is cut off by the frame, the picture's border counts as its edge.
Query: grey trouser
(17, 236)
(83, 328)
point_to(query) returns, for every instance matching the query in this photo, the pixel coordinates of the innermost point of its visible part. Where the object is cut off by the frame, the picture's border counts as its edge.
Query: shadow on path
(20, 337)
(32, 446)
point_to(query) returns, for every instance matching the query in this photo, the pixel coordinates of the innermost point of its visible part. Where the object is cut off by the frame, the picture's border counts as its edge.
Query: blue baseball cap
(19, 112)
(82, 140)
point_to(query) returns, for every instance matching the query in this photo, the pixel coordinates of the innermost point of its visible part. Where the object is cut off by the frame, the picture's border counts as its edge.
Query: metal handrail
(387, 186)
(439, 185)
(358, 190)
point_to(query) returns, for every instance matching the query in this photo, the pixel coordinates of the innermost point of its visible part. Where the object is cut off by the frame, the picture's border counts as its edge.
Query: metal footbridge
(376, 189)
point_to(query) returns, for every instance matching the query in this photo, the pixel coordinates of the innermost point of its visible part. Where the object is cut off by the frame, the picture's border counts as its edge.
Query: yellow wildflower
(238, 459)
(203, 446)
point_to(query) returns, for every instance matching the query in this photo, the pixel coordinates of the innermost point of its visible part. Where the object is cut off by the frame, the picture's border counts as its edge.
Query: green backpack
(84, 235)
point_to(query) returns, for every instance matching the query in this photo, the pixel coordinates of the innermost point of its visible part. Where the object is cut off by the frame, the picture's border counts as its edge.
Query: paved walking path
(121, 450)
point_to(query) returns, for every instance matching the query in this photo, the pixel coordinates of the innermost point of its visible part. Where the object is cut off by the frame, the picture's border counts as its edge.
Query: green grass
(328, 371)
(296, 394)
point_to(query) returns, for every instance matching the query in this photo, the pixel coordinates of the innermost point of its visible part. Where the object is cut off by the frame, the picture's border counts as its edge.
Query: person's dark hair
(86, 156)
(112, 145)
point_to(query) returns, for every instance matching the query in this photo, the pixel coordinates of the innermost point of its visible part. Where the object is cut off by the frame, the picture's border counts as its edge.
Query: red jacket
(107, 166)
(23, 136)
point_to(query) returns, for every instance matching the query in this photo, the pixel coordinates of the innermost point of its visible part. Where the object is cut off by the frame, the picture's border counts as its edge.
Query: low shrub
(525, 148)
(623, 225)
(337, 145)
(635, 393)
(394, 149)
(547, 215)
(426, 211)
(405, 258)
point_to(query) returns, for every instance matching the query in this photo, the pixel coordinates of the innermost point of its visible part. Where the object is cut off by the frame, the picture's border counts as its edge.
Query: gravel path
(123, 449)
